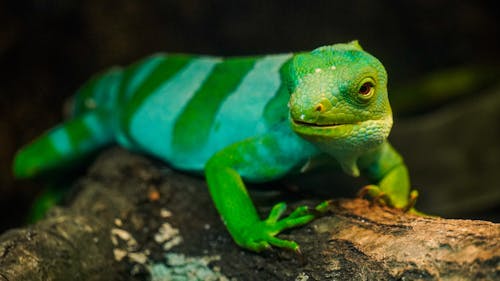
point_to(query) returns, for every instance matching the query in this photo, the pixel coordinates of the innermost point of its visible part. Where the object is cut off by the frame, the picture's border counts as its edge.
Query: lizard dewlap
(239, 119)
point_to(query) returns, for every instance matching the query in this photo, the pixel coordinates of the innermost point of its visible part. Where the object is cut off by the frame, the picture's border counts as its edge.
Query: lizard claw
(260, 235)
(412, 201)
(380, 197)
(375, 193)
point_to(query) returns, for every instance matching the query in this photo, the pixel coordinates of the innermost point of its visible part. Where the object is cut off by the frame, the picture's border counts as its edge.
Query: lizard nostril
(319, 107)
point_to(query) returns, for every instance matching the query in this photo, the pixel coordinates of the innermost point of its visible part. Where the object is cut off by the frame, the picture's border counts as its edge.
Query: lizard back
(184, 108)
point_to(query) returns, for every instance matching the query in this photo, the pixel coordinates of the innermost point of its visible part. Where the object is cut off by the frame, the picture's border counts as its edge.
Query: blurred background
(442, 56)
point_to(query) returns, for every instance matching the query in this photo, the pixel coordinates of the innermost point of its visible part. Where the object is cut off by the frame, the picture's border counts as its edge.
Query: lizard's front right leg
(234, 204)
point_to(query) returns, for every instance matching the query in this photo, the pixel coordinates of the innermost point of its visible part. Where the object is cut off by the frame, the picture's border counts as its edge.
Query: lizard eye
(366, 90)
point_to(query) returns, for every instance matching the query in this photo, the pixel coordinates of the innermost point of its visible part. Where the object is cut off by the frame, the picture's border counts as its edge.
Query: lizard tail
(64, 144)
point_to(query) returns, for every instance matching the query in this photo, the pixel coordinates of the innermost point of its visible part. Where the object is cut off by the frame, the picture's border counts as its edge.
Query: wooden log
(135, 219)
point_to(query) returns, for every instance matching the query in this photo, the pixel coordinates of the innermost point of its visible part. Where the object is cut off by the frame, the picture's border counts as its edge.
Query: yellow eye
(366, 90)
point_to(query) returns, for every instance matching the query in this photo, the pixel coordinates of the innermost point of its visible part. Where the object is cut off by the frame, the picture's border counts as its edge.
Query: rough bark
(129, 210)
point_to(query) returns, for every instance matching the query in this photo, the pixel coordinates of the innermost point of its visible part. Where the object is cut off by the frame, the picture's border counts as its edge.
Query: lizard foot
(260, 235)
(411, 202)
(375, 193)
(383, 198)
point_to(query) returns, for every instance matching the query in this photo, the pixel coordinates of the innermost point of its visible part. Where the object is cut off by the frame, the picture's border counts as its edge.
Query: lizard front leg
(385, 167)
(258, 159)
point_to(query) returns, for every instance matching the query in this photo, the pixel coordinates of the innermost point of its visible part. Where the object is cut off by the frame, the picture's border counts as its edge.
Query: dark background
(50, 47)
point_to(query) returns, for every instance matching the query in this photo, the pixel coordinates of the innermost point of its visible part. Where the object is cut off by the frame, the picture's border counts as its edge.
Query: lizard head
(339, 101)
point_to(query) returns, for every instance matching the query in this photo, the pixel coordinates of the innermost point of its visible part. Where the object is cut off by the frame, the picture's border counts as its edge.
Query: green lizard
(239, 119)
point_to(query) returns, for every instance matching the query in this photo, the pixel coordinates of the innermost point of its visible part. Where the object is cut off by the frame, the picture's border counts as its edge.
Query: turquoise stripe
(84, 94)
(193, 125)
(96, 123)
(99, 90)
(241, 114)
(153, 121)
(107, 94)
(168, 68)
(61, 140)
(113, 89)
(141, 73)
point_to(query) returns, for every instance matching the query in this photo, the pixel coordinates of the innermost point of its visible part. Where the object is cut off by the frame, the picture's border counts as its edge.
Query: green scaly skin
(329, 107)
(337, 106)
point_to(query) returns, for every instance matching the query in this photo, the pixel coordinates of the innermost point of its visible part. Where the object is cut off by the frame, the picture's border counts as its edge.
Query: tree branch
(131, 217)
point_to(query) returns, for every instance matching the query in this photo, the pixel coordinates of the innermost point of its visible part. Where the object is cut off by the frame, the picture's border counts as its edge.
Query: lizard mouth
(309, 124)
(331, 130)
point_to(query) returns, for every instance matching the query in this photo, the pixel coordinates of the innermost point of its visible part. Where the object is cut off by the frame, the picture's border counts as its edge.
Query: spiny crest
(321, 58)
(350, 46)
